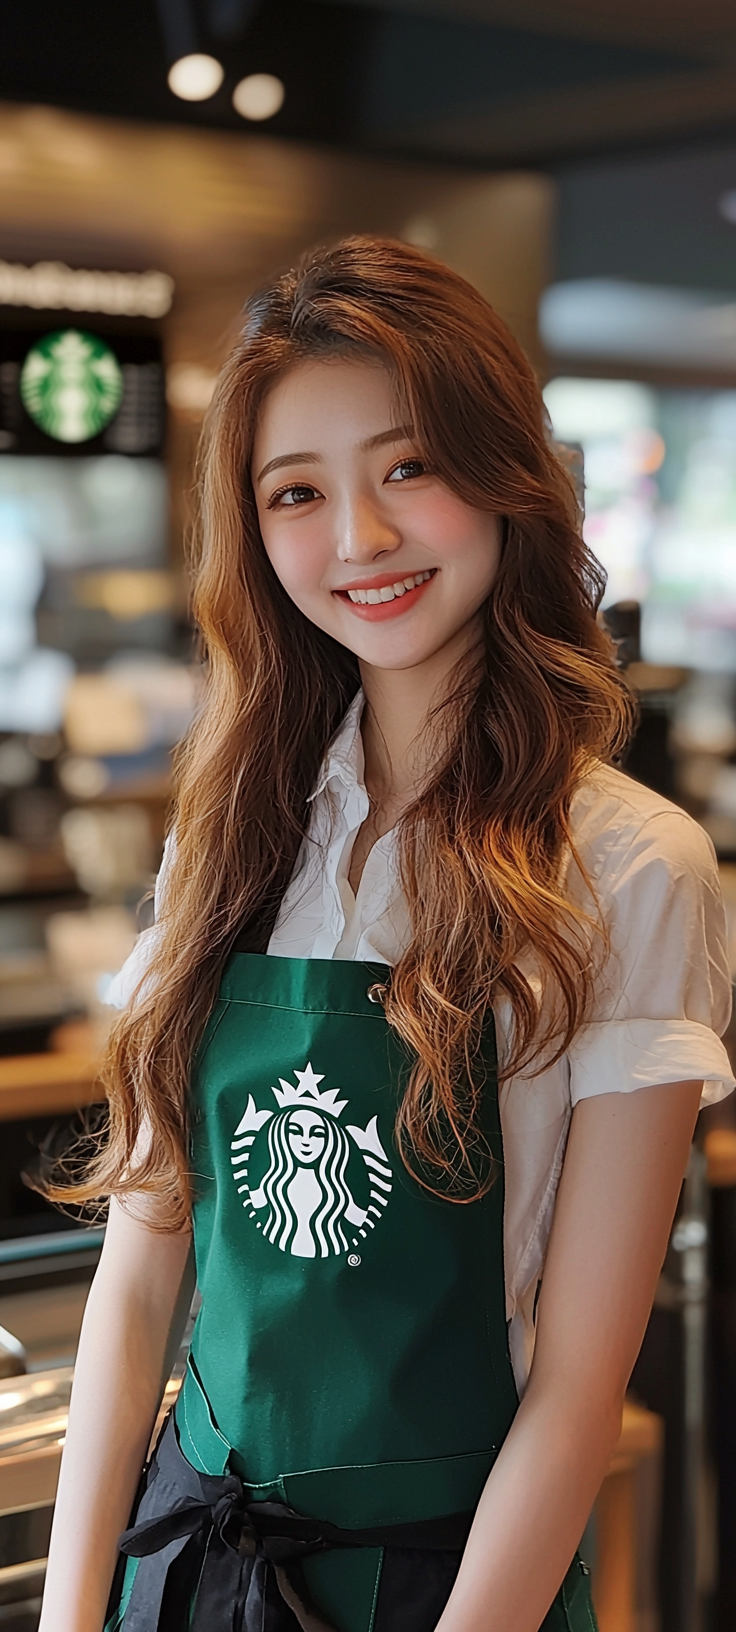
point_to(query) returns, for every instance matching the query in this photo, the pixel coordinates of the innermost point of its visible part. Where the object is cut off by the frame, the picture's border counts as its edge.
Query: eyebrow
(396, 433)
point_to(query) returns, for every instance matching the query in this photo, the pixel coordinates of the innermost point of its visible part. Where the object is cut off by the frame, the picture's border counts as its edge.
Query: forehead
(323, 401)
(306, 1119)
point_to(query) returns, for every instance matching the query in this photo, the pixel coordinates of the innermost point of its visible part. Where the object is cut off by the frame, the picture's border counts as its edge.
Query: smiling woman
(364, 530)
(485, 969)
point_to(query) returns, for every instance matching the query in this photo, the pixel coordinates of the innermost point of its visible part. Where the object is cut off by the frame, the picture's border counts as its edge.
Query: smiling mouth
(387, 592)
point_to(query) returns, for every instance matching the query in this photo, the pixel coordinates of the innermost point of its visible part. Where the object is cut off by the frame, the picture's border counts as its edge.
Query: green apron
(350, 1357)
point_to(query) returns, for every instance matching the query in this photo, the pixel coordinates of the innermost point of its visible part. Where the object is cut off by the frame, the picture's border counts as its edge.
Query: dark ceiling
(476, 81)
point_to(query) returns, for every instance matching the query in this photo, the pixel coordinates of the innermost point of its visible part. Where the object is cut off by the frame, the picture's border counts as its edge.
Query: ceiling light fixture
(258, 96)
(196, 77)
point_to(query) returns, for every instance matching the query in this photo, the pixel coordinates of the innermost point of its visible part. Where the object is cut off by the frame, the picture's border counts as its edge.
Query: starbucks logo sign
(71, 384)
(313, 1187)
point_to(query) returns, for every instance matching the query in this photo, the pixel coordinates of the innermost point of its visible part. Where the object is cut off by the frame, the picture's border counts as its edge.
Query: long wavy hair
(331, 1171)
(482, 847)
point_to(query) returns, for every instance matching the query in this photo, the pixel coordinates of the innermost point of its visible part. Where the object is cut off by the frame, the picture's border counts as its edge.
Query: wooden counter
(47, 1084)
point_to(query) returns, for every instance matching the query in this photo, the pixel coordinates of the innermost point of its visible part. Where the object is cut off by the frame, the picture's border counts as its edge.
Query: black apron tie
(232, 1554)
(197, 1536)
(238, 1558)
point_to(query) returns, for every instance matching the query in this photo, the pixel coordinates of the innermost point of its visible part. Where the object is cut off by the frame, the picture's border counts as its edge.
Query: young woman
(416, 1046)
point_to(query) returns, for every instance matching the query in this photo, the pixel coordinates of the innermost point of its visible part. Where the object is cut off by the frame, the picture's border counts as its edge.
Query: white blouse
(661, 1002)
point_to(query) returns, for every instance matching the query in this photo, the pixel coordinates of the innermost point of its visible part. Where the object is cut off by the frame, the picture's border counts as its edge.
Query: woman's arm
(625, 1159)
(135, 1314)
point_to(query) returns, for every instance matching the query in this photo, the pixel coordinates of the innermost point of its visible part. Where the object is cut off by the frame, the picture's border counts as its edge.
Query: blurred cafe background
(158, 158)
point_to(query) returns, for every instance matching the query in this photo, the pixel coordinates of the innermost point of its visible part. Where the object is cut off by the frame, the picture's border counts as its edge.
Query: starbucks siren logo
(71, 384)
(303, 1191)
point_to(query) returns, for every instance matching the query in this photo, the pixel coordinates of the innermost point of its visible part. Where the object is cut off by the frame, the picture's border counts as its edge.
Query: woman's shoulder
(616, 823)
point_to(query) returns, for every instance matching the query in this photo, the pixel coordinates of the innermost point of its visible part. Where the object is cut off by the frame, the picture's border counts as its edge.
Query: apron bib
(350, 1361)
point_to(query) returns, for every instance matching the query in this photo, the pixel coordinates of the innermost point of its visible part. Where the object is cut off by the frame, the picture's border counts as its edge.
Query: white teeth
(374, 597)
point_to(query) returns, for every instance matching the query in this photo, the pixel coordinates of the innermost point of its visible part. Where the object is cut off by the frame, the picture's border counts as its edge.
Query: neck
(401, 745)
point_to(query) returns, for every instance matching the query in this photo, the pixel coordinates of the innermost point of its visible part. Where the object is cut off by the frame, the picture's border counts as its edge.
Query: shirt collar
(345, 760)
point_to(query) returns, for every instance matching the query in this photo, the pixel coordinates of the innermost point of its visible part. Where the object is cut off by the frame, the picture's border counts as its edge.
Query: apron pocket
(345, 1586)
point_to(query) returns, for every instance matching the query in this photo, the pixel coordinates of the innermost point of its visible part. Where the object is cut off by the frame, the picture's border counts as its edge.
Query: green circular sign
(71, 384)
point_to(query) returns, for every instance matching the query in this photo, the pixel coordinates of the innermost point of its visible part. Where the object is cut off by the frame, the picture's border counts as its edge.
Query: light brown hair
(480, 850)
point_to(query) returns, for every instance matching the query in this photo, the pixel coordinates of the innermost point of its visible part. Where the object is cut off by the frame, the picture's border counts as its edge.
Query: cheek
(298, 554)
(457, 534)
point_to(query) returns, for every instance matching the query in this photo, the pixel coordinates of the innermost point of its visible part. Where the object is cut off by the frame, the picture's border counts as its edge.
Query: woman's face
(307, 1134)
(368, 543)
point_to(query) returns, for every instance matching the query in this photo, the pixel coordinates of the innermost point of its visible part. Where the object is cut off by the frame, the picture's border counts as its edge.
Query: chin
(396, 657)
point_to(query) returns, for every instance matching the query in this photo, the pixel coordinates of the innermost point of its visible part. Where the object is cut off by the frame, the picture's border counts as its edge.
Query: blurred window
(660, 502)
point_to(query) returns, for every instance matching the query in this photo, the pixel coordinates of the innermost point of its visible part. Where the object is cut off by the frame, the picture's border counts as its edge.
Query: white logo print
(305, 1201)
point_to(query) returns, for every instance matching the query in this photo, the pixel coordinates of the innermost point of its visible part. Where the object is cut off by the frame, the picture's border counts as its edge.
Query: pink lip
(380, 580)
(383, 610)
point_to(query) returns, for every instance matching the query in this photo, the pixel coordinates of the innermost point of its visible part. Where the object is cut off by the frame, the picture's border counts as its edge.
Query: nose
(365, 533)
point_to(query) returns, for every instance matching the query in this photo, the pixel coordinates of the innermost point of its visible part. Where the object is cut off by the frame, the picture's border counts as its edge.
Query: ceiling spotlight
(196, 77)
(259, 96)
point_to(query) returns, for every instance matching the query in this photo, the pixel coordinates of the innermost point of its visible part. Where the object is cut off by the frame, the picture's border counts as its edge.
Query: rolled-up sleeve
(663, 998)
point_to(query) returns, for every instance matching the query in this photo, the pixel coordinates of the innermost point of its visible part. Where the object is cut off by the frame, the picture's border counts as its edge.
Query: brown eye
(297, 493)
(404, 471)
